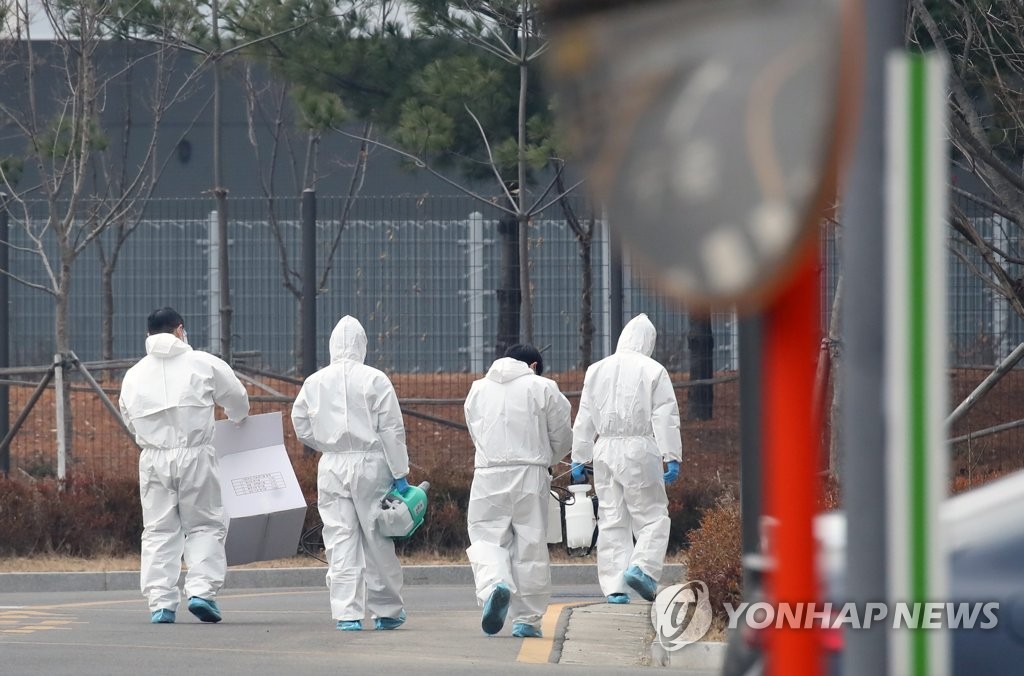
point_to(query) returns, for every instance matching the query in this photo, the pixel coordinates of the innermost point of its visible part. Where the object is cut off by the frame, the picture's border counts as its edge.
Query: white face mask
(184, 335)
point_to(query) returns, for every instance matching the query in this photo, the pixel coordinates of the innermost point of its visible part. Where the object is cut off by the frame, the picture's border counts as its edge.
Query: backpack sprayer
(572, 517)
(400, 515)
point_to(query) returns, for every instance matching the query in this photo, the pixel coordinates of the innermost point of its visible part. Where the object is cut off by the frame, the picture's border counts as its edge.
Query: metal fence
(421, 274)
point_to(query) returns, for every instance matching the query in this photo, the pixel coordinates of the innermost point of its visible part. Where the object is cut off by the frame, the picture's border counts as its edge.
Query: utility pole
(863, 385)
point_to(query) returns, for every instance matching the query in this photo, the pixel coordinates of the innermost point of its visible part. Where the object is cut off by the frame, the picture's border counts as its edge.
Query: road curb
(702, 655)
(257, 578)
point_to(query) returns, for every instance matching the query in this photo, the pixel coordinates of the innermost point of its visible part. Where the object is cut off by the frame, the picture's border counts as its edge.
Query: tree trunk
(299, 316)
(834, 415)
(702, 366)
(107, 319)
(586, 301)
(224, 280)
(525, 292)
(508, 292)
(835, 457)
(221, 193)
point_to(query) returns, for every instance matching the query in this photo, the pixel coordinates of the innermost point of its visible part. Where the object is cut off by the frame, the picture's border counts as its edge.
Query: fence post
(61, 415)
(475, 249)
(213, 282)
(5, 335)
(751, 424)
(308, 304)
(614, 289)
(605, 292)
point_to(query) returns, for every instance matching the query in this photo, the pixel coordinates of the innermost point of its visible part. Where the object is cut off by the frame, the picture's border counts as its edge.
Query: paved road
(265, 631)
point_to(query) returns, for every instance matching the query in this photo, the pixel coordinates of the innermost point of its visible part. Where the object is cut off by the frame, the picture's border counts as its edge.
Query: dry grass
(717, 632)
(66, 564)
(71, 564)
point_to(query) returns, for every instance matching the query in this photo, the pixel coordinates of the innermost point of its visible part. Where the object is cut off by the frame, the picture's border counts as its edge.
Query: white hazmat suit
(629, 404)
(520, 425)
(349, 412)
(167, 400)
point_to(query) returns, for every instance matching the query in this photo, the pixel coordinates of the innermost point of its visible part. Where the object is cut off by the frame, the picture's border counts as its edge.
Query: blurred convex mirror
(710, 129)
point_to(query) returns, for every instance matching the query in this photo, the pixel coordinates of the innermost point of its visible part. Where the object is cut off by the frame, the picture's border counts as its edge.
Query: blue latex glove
(579, 473)
(400, 486)
(671, 471)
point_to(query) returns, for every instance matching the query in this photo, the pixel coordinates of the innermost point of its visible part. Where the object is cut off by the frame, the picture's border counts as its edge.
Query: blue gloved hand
(400, 486)
(579, 473)
(671, 471)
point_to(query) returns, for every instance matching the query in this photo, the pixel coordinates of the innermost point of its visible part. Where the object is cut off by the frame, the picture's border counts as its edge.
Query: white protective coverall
(167, 400)
(349, 412)
(520, 425)
(629, 404)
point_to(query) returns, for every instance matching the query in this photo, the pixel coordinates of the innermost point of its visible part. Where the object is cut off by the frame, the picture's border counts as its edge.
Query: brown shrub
(305, 467)
(688, 499)
(831, 496)
(968, 481)
(94, 516)
(716, 551)
(113, 526)
(23, 516)
(445, 529)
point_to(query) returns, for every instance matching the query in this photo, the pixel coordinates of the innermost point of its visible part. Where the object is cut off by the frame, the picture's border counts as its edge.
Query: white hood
(628, 398)
(165, 346)
(349, 407)
(638, 335)
(507, 369)
(517, 418)
(168, 398)
(348, 340)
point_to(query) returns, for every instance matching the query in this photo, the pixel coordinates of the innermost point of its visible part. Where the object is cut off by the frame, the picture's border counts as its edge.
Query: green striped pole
(916, 354)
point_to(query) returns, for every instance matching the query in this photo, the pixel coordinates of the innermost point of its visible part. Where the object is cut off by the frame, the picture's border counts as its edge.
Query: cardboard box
(263, 504)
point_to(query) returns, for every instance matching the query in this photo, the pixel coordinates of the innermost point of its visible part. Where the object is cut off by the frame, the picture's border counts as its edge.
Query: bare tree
(510, 31)
(319, 111)
(59, 117)
(198, 28)
(983, 43)
(115, 170)
(583, 231)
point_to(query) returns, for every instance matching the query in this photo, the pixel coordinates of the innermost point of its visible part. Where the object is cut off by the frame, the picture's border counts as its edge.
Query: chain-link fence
(429, 279)
(425, 276)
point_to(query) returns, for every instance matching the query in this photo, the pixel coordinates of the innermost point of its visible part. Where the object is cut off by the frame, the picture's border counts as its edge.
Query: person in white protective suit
(520, 425)
(167, 400)
(349, 412)
(629, 405)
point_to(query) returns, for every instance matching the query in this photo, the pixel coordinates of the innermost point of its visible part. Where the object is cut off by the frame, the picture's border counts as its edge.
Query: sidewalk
(604, 634)
(589, 633)
(257, 578)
